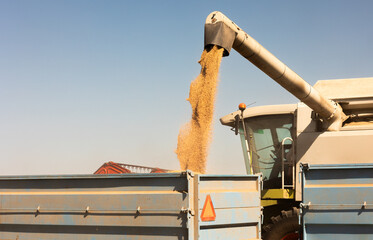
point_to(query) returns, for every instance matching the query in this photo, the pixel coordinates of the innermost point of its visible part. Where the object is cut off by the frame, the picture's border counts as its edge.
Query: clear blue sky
(86, 82)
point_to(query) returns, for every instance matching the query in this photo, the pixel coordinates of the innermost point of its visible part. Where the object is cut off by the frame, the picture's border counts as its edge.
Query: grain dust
(195, 137)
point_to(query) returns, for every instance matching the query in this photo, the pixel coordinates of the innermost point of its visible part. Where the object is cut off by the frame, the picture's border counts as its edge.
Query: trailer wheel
(283, 227)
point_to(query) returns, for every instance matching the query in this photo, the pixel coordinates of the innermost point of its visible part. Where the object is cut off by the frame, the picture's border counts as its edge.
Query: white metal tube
(250, 49)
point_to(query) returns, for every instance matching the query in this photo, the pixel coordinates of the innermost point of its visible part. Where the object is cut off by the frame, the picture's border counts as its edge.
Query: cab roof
(259, 111)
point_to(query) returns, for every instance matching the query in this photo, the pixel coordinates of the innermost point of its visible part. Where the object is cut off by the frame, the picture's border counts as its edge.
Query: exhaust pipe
(221, 31)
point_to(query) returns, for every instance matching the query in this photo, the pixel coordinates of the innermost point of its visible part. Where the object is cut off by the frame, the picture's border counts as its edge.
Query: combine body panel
(337, 202)
(130, 206)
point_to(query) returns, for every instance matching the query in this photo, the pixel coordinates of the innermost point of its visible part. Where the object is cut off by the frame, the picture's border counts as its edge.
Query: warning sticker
(208, 211)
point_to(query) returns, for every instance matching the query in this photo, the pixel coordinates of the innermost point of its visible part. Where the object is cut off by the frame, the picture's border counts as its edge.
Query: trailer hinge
(189, 174)
(304, 166)
(305, 205)
(37, 211)
(188, 211)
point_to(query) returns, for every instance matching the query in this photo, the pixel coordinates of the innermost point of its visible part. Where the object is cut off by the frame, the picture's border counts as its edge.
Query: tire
(283, 227)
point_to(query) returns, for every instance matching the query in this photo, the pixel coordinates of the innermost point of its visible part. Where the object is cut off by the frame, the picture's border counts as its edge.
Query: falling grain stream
(195, 136)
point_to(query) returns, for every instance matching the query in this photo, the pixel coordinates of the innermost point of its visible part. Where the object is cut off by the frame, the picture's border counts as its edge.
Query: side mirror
(236, 123)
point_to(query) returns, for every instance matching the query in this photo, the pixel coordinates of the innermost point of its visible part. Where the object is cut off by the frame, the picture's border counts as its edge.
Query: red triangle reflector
(208, 211)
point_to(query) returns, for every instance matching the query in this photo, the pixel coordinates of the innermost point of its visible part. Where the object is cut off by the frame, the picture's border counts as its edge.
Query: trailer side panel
(338, 202)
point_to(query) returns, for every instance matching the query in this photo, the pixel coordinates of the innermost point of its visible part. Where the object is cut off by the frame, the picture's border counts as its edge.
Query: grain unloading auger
(333, 124)
(221, 31)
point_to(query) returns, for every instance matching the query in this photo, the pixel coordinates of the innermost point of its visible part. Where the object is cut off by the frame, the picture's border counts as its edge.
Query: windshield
(265, 135)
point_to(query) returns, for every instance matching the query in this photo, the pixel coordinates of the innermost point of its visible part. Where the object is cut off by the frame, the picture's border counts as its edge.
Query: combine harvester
(327, 140)
(309, 165)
